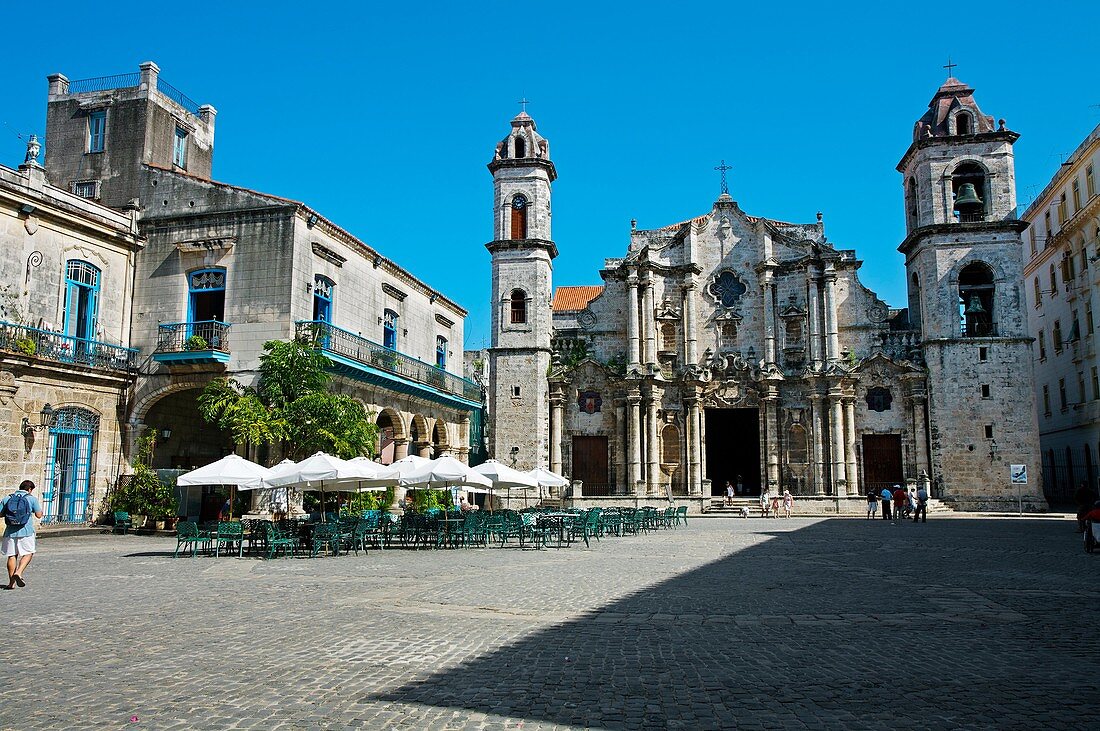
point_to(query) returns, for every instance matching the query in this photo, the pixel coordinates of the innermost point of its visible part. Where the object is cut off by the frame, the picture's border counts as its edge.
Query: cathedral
(737, 349)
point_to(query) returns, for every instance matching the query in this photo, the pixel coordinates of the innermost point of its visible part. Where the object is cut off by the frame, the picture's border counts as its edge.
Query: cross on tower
(523, 103)
(722, 168)
(949, 66)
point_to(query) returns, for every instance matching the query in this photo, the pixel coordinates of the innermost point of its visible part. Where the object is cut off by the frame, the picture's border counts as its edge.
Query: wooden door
(590, 464)
(882, 461)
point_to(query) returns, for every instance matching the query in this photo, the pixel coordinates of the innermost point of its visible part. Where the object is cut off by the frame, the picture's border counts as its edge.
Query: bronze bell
(967, 199)
(975, 307)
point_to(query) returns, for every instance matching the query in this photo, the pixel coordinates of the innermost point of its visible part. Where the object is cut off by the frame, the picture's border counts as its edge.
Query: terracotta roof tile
(571, 299)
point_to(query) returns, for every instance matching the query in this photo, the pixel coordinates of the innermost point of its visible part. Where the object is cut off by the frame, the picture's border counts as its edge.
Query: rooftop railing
(329, 338)
(127, 81)
(105, 83)
(61, 348)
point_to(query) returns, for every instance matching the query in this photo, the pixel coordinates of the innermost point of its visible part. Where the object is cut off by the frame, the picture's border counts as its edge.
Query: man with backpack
(18, 542)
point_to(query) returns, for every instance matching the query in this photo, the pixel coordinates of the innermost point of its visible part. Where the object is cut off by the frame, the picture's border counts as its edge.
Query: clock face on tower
(519, 202)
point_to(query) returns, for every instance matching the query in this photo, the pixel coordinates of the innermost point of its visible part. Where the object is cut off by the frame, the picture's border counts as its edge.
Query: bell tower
(522, 252)
(964, 269)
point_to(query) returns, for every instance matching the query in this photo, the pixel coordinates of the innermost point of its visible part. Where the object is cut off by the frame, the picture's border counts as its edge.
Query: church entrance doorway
(590, 464)
(733, 449)
(882, 461)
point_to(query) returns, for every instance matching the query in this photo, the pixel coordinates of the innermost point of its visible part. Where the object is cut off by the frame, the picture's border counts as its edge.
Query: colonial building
(225, 269)
(1061, 248)
(736, 348)
(66, 290)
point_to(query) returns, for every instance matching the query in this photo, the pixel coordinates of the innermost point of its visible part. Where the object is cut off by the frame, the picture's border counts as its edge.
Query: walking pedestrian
(765, 503)
(19, 510)
(775, 505)
(901, 502)
(886, 496)
(922, 505)
(788, 502)
(729, 493)
(872, 504)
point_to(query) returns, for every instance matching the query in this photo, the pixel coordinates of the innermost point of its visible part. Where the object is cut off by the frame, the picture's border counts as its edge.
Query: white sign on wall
(1018, 474)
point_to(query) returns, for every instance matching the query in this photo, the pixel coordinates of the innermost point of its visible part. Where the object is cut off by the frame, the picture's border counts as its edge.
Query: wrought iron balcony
(205, 341)
(335, 341)
(61, 348)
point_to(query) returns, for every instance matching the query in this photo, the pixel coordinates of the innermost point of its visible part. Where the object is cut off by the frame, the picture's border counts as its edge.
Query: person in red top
(901, 502)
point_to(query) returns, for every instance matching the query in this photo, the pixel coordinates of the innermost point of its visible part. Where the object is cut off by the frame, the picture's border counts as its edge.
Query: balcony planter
(196, 342)
(26, 346)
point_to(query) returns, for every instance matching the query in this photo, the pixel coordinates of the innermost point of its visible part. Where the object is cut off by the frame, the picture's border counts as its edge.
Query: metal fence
(63, 348)
(178, 96)
(1061, 476)
(179, 337)
(331, 339)
(105, 83)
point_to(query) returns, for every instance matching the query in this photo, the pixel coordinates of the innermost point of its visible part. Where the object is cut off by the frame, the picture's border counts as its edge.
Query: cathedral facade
(733, 348)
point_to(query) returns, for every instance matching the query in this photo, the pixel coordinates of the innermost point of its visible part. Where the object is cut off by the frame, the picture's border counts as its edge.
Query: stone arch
(391, 429)
(150, 392)
(672, 458)
(441, 438)
(419, 436)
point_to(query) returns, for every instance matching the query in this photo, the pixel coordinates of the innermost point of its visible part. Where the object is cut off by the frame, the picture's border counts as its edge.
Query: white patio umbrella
(444, 472)
(233, 470)
(323, 471)
(229, 470)
(546, 478)
(505, 477)
(405, 465)
(384, 477)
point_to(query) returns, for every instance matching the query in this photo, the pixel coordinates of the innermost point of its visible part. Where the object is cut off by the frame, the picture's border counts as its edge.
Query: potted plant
(196, 342)
(25, 346)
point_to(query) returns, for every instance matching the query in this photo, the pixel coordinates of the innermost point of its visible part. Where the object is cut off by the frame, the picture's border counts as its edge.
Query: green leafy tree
(292, 405)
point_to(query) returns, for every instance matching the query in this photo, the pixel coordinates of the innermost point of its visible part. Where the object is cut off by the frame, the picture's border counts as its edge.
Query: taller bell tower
(964, 268)
(522, 252)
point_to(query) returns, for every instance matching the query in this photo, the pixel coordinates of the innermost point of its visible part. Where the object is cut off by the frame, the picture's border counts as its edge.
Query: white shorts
(17, 546)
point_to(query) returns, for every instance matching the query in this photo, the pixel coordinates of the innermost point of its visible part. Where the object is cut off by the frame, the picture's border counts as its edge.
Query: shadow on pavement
(841, 623)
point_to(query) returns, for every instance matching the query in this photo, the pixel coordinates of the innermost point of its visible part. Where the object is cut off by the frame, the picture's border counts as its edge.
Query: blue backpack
(17, 510)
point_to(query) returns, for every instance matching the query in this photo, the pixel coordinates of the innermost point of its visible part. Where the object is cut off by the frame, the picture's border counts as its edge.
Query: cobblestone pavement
(727, 623)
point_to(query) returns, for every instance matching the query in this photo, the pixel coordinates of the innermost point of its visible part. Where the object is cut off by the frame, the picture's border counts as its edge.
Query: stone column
(694, 476)
(557, 403)
(619, 450)
(817, 422)
(691, 348)
(832, 346)
(400, 449)
(920, 435)
(653, 457)
(462, 451)
(768, 288)
(632, 319)
(462, 454)
(813, 308)
(702, 442)
(633, 440)
(850, 446)
(836, 446)
(771, 440)
(424, 449)
(648, 324)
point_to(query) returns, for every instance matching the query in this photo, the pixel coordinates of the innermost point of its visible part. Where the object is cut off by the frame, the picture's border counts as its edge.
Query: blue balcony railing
(191, 337)
(61, 348)
(329, 338)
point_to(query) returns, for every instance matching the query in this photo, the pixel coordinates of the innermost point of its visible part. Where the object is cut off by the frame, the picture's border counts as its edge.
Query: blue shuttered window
(97, 131)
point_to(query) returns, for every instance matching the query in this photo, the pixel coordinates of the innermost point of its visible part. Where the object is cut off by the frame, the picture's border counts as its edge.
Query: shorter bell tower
(964, 269)
(522, 252)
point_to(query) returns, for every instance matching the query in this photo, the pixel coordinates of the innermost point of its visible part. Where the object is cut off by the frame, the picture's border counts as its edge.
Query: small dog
(744, 512)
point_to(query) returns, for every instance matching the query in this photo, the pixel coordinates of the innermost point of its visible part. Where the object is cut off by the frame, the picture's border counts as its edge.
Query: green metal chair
(276, 539)
(230, 532)
(682, 514)
(122, 521)
(187, 534)
(327, 534)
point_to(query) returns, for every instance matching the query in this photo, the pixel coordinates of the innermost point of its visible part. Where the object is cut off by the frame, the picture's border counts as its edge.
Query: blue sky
(383, 115)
